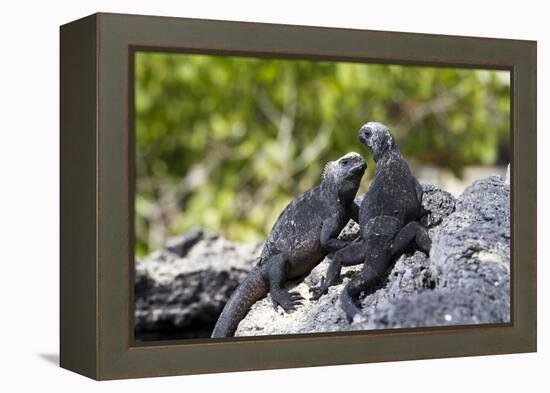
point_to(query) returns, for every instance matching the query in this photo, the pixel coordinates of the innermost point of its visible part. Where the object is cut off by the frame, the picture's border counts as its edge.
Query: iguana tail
(251, 290)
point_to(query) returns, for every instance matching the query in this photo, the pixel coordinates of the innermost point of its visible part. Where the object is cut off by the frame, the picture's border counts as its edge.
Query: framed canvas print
(241, 196)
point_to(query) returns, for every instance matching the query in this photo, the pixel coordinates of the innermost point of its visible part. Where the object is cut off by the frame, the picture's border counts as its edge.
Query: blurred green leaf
(226, 142)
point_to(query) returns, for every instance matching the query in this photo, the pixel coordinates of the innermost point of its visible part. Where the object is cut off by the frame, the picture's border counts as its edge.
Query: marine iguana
(388, 218)
(305, 232)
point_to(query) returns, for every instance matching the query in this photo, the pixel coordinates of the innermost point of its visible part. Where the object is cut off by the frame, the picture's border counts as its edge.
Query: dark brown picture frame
(97, 192)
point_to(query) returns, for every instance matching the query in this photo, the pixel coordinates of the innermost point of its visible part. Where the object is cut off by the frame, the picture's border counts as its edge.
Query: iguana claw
(287, 300)
(319, 290)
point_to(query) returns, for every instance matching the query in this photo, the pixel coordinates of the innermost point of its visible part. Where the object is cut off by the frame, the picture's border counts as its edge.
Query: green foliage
(226, 142)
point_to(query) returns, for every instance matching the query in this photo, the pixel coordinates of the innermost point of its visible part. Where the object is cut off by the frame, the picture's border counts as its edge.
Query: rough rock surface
(466, 280)
(181, 290)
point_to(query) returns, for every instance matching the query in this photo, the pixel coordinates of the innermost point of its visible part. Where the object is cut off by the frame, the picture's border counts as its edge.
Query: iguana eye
(344, 162)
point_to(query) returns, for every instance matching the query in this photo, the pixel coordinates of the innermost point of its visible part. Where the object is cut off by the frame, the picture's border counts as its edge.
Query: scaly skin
(305, 232)
(388, 218)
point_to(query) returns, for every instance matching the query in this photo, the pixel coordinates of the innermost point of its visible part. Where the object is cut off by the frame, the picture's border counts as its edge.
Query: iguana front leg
(373, 269)
(278, 269)
(329, 234)
(351, 255)
(345, 254)
(378, 238)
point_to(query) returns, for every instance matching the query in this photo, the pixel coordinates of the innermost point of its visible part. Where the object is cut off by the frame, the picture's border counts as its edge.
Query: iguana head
(343, 176)
(377, 137)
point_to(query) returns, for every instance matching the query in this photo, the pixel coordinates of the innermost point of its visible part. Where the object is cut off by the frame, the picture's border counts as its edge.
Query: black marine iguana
(305, 232)
(388, 218)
